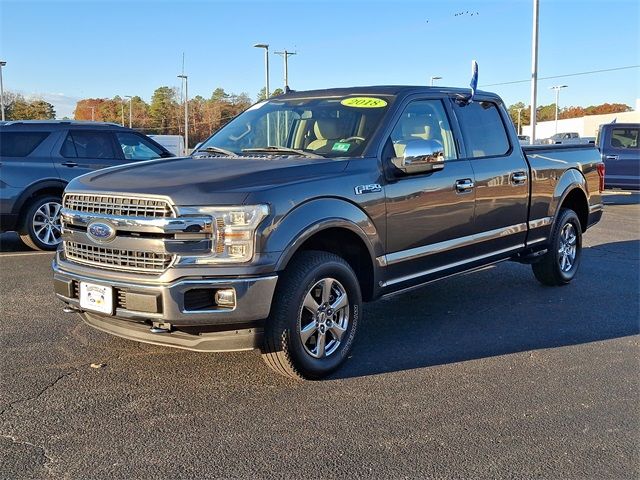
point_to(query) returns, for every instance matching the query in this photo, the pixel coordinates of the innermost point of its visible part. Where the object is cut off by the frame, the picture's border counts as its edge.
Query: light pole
(121, 113)
(266, 66)
(186, 113)
(557, 88)
(285, 55)
(130, 115)
(266, 82)
(2, 64)
(435, 78)
(93, 113)
(534, 71)
(519, 122)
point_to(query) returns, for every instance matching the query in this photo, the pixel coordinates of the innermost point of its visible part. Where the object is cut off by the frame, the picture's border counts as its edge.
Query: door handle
(518, 178)
(611, 157)
(70, 164)
(464, 185)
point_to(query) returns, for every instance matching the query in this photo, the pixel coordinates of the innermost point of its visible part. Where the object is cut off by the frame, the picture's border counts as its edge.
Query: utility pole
(285, 55)
(534, 71)
(186, 113)
(2, 64)
(557, 88)
(130, 115)
(435, 78)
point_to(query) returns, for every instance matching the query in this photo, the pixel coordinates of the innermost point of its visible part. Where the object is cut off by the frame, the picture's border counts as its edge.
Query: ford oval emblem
(101, 232)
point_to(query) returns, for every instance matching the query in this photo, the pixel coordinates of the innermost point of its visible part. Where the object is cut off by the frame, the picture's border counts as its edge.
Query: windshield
(326, 127)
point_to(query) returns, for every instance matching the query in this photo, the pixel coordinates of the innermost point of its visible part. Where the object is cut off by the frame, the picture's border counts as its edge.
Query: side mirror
(420, 156)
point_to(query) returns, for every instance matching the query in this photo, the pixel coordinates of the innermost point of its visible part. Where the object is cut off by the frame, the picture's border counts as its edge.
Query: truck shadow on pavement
(498, 311)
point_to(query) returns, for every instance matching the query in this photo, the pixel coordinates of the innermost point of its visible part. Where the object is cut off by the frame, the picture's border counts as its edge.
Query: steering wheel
(352, 139)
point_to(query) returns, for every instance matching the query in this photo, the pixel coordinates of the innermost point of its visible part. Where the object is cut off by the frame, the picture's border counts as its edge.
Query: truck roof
(397, 90)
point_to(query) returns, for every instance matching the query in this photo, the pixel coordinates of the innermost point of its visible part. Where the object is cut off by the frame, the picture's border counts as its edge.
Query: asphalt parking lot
(480, 376)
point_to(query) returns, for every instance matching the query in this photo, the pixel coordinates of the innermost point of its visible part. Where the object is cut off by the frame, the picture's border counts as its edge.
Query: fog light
(226, 297)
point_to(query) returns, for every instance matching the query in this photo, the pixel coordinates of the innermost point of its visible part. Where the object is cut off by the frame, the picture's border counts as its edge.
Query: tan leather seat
(327, 132)
(417, 127)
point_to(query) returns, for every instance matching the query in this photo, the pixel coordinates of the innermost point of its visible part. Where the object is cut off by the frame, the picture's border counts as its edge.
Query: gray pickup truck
(273, 233)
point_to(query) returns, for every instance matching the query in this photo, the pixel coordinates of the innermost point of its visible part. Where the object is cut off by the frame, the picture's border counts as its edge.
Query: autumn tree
(19, 108)
(163, 110)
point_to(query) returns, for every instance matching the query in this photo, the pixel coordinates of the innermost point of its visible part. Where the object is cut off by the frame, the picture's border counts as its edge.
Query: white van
(173, 143)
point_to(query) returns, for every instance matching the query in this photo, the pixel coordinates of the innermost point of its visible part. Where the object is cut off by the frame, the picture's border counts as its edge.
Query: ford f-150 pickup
(281, 224)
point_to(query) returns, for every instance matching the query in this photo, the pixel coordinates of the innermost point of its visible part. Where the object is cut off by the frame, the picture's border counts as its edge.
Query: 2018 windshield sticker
(341, 147)
(364, 102)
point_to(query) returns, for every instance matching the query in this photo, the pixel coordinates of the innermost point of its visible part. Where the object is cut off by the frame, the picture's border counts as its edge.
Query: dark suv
(39, 158)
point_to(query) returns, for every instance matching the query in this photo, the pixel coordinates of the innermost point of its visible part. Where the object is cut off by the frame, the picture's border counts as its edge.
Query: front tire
(314, 316)
(41, 229)
(560, 264)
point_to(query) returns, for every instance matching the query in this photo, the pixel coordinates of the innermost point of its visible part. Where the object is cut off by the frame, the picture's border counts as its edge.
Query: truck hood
(206, 181)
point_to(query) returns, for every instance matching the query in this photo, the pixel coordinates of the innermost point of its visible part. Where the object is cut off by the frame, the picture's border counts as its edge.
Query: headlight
(234, 232)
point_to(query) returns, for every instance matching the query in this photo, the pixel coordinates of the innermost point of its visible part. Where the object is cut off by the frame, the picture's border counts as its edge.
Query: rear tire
(314, 316)
(41, 229)
(560, 264)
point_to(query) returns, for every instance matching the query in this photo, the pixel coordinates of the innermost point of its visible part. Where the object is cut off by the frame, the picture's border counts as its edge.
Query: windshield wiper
(222, 151)
(274, 149)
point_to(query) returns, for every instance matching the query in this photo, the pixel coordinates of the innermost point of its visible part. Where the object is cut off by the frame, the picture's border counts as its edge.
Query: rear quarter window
(20, 144)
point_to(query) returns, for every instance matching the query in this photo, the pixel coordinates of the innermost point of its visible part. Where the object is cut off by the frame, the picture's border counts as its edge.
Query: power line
(563, 76)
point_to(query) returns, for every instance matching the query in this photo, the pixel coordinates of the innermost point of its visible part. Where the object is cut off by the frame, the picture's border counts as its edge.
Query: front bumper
(137, 306)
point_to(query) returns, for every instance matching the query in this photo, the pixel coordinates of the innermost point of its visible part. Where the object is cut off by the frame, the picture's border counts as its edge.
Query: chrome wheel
(46, 223)
(568, 247)
(324, 318)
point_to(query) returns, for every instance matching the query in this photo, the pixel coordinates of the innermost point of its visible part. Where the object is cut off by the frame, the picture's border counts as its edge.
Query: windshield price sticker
(364, 102)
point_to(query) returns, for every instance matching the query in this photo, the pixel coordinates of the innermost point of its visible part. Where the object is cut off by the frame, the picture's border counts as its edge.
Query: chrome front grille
(117, 259)
(124, 206)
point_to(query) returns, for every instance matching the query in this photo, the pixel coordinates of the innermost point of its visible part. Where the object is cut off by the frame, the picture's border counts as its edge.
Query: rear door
(622, 157)
(82, 151)
(429, 215)
(501, 176)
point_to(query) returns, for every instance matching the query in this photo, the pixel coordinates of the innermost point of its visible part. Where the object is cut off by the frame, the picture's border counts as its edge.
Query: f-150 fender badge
(371, 188)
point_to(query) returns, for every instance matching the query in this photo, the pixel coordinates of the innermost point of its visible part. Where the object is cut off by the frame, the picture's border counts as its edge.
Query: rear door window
(88, 144)
(626, 138)
(20, 144)
(483, 131)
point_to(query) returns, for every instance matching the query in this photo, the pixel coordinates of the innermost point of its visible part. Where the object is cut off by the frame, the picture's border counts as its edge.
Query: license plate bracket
(97, 298)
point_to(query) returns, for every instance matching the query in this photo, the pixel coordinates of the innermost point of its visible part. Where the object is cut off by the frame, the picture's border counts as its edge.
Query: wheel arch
(350, 233)
(43, 187)
(571, 192)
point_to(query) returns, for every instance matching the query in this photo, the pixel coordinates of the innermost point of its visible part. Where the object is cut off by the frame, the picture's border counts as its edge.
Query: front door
(429, 215)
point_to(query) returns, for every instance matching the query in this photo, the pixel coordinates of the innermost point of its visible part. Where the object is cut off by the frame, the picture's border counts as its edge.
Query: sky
(63, 51)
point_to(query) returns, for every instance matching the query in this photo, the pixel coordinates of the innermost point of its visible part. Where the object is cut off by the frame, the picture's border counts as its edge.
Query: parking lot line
(23, 254)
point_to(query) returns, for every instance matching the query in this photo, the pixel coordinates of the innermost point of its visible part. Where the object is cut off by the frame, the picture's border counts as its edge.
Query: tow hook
(70, 309)
(160, 327)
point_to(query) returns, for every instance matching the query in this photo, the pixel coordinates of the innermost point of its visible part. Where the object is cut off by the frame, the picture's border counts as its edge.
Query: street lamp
(285, 54)
(130, 98)
(2, 64)
(93, 113)
(186, 113)
(266, 66)
(266, 81)
(534, 71)
(435, 78)
(557, 88)
(519, 122)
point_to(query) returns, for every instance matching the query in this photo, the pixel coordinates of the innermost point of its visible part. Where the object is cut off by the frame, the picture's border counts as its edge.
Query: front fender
(309, 218)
